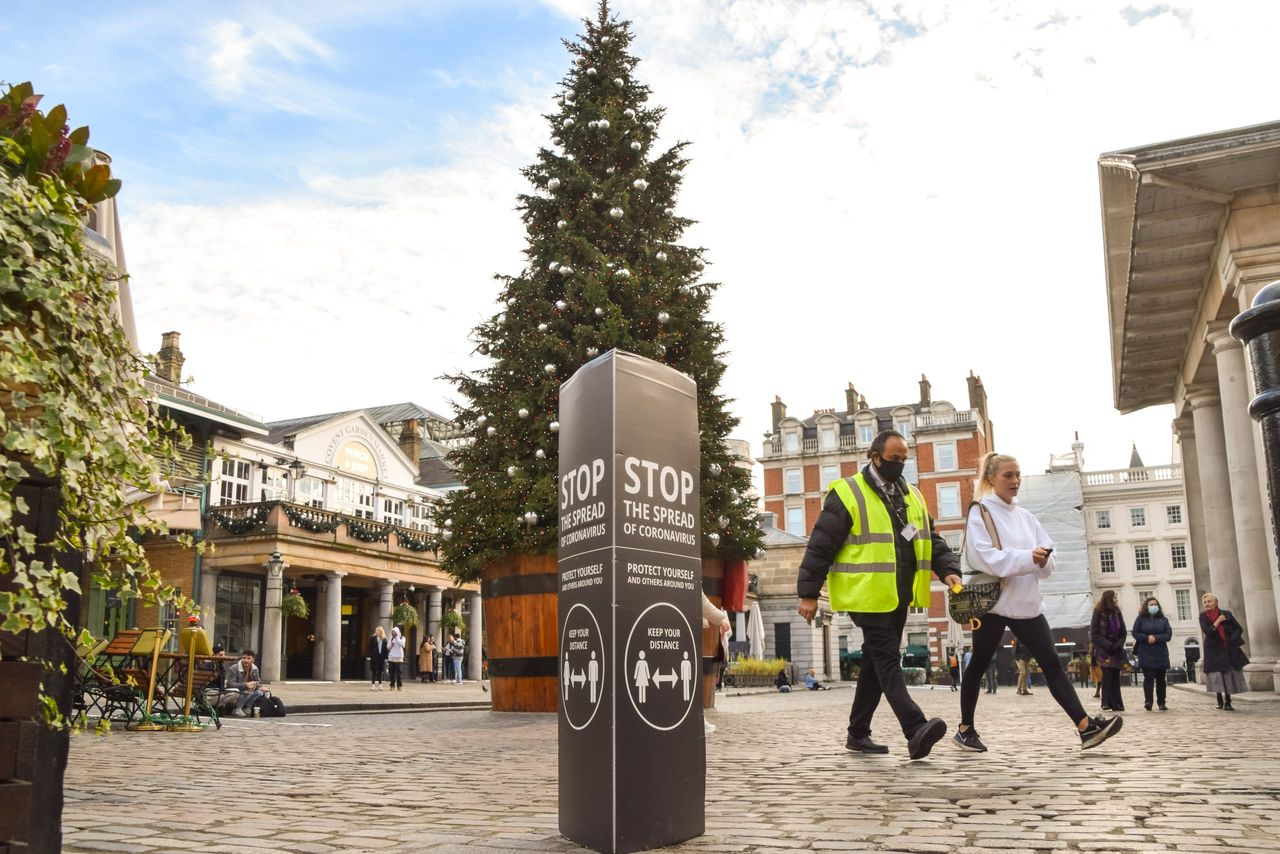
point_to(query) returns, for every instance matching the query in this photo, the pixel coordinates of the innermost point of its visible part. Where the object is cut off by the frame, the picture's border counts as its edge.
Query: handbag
(970, 604)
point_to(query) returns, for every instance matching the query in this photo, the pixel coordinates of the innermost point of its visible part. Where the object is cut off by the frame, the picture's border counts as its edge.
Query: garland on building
(315, 521)
(413, 542)
(606, 270)
(241, 521)
(368, 532)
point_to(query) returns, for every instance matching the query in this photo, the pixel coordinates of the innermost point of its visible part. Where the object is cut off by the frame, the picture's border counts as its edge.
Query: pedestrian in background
(1151, 636)
(1007, 541)
(1095, 672)
(953, 664)
(993, 673)
(875, 547)
(395, 659)
(1108, 636)
(1022, 659)
(781, 682)
(1224, 660)
(377, 657)
(457, 646)
(427, 659)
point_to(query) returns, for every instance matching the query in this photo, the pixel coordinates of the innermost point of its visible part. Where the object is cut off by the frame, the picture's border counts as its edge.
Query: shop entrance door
(353, 635)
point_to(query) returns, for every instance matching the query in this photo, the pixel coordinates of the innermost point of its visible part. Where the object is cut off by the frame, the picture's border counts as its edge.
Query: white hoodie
(395, 649)
(1020, 532)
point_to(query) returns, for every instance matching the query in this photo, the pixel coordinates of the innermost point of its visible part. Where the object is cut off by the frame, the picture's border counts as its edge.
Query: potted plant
(293, 605)
(404, 615)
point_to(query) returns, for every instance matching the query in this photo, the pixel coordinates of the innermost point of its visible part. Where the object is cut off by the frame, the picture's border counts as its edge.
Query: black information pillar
(632, 750)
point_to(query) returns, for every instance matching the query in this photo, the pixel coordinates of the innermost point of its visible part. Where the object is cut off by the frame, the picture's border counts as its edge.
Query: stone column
(1215, 495)
(209, 600)
(386, 595)
(330, 629)
(1247, 511)
(1186, 433)
(272, 621)
(475, 645)
(435, 608)
(318, 624)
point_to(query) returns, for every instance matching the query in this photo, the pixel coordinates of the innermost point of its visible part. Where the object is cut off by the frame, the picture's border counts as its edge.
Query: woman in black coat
(1224, 660)
(1108, 636)
(379, 647)
(1151, 636)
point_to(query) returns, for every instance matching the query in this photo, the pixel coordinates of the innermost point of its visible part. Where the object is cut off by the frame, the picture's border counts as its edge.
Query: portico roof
(1164, 207)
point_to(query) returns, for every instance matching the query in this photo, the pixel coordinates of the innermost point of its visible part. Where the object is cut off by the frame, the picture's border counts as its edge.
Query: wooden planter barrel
(521, 621)
(520, 624)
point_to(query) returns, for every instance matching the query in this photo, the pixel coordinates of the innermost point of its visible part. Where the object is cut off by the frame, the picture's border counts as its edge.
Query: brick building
(802, 456)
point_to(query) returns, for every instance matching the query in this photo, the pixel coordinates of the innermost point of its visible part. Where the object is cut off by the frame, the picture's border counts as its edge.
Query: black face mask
(890, 470)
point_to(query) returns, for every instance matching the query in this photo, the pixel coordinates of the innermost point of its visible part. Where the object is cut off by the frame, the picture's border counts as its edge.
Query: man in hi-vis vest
(875, 546)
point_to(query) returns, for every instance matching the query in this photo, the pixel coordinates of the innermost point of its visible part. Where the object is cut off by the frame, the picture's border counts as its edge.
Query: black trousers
(1111, 698)
(1032, 633)
(1153, 682)
(881, 675)
(394, 680)
(375, 670)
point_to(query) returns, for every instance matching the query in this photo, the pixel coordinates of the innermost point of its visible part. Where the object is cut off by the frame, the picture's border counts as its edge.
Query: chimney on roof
(779, 412)
(862, 402)
(977, 396)
(926, 391)
(768, 519)
(411, 439)
(851, 398)
(169, 360)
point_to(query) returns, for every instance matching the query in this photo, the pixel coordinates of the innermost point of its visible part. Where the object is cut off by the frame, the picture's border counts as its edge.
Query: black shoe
(968, 740)
(1099, 730)
(1228, 708)
(924, 738)
(1146, 706)
(1162, 707)
(864, 744)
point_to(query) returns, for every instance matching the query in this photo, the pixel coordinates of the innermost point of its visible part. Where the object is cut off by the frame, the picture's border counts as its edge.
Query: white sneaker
(239, 713)
(707, 727)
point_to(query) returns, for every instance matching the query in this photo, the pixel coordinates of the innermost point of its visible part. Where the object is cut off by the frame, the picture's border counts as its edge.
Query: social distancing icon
(660, 656)
(581, 666)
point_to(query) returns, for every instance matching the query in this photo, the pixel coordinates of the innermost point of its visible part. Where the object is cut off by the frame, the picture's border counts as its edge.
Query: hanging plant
(293, 605)
(452, 621)
(405, 616)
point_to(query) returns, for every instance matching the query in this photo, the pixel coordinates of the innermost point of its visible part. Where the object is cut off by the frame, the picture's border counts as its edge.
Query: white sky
(885, 189)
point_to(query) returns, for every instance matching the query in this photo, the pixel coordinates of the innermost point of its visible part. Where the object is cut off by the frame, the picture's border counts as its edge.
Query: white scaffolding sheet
(1057, 501)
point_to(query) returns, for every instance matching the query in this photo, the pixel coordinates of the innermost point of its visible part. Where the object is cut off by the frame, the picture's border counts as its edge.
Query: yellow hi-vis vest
(864, 576)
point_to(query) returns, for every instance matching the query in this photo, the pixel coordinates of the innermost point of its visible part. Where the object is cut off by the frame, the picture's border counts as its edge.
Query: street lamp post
(297, 471)
(272, 625)
(1258, 328)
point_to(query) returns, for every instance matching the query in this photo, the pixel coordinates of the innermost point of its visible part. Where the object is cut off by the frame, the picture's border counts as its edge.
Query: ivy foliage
(73, 407)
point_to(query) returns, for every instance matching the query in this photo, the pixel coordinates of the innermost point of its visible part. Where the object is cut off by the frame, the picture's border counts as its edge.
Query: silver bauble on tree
(554, 426)
(540, 454)
(624, 273)
(553, 184)
(635, 146)
(640, 184)
(603, 124)
(722, 521)
(566, 270)
(599, 312)
(661, 256)
(561, 223)
(522, 412)
(651, 125)
(568, 123)
(592, 352)
(617, 81)
(611, 170)
(714, 469)
(629, 113)
(502, 318)
(542, 327)
(511, 471)
(549, 368)
(561, 305)
(616, 213)
(481, 420)
(669, 211)
(714, 539)
(595, 197)
(530, 518)
(491, 431)
(553, 266)
(446, 535)
(663, 317)
(591, 71)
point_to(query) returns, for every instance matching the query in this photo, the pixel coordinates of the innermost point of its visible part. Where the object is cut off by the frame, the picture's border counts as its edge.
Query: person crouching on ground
(781, 682)
(1020, 559)
(1224, 660)
(871, 522)
(812, 683)
(243, 676)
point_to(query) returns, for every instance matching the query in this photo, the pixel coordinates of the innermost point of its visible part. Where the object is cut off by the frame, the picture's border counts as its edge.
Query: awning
(916, 649)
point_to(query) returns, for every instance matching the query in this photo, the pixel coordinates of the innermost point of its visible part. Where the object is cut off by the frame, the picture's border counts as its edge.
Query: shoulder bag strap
(991, 525)
(964, 540)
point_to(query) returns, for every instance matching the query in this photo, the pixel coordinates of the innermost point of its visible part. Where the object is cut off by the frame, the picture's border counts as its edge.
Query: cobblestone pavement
(779, 779)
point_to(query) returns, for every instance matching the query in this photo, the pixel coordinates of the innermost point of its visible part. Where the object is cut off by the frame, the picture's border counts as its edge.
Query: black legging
(1032, 633)
(1111, 697)
(394, 681)
(375, 669)
(1153, 677)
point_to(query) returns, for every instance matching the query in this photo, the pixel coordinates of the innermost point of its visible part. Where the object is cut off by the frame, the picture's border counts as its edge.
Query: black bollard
(1258, 328)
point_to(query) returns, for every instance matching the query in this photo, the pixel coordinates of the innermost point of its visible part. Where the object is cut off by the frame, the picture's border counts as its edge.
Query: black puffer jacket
(1152, 655)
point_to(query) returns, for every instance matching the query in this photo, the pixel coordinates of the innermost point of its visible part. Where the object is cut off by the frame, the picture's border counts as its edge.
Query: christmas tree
(605, 270)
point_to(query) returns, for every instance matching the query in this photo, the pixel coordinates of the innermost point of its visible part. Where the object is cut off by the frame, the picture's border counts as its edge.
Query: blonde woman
(1020, 559)
(378, 649)
(1224, 660)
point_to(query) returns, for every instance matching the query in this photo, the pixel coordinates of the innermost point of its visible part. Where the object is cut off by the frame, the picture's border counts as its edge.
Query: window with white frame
(1178, 554)
(1102, 519)
(1182, 598)
(953, 539)
(830, 474)
(793, 481)
(310, 492)
(866, 433)
(1142, 558)
(1174, 513)
(356, 497)
(904, 427)
(911, 471)
(275, 485)
(791, 441)
(1107, 560)
(393, 511)
(827, 436)
(233, 485)
(795, 521)
(948, 500)
(420, 515)
(1143, 596)
(944, 456)
(1138, 517)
